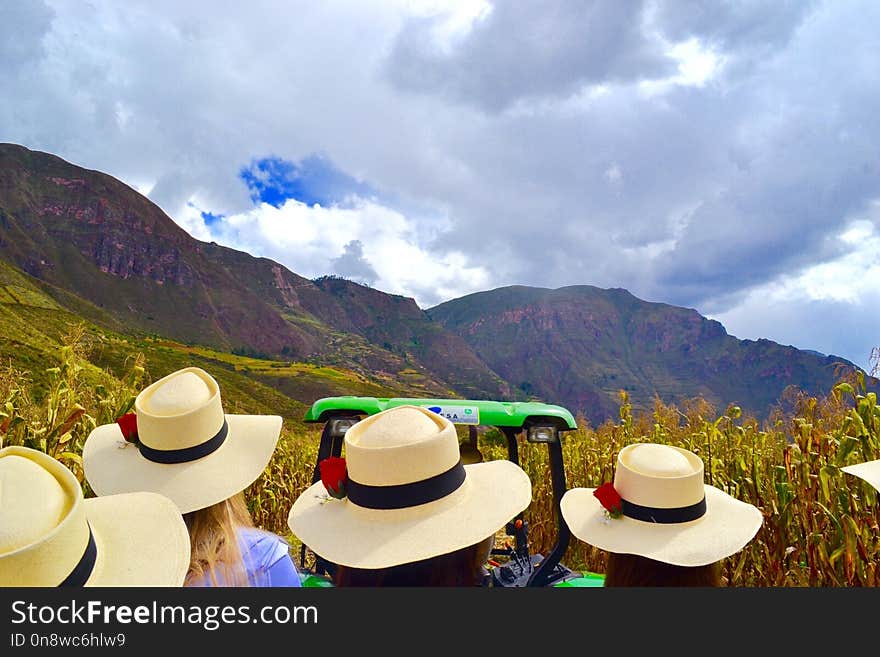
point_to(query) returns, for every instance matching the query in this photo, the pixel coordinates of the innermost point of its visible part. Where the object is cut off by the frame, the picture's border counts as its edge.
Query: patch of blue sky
(312, 180)
(210, 218)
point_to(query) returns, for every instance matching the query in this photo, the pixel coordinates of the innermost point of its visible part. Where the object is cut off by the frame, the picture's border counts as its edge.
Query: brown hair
(462, 567)
(215, 551)
(635, 570)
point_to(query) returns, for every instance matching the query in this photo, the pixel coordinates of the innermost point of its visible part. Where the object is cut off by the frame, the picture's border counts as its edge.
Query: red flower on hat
(334, 476)
(610, 499)
(128, 424)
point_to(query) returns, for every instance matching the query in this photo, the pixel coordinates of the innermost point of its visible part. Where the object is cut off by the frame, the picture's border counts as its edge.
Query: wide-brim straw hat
(869, 471)
(51, 536)
(668, 513)
(188, 449)
(409, 497)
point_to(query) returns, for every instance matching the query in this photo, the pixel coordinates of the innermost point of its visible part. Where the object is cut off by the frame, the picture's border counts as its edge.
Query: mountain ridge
(88, 234)
(107, 253)
(609, 340)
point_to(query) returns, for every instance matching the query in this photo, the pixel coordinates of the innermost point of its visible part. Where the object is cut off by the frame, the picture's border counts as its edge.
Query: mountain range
(79, 245)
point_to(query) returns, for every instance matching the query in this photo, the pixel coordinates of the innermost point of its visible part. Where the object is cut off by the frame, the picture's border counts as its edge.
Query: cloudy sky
(722, 156)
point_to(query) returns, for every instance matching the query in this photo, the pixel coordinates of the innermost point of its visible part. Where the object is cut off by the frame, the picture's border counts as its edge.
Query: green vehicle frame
(539, 422)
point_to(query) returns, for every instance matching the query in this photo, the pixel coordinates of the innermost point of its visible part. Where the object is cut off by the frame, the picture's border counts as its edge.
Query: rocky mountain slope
(98, 250)
(580, 345)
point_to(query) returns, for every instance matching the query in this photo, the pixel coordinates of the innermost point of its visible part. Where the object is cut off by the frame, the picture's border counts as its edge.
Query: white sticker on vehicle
(458, 414)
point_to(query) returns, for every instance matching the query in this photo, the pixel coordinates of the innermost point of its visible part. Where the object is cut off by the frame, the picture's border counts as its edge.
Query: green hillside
(35, 328)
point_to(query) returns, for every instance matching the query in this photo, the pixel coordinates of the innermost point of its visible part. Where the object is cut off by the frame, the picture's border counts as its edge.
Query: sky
(720, 156)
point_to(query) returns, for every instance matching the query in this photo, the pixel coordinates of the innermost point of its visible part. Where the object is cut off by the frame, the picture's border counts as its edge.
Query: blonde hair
(215, 551)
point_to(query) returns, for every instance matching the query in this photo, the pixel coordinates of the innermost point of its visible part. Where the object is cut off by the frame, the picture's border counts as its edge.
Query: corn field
(820, 525)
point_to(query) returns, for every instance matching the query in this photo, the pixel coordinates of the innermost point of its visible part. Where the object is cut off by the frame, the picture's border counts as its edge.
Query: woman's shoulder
(267, 558)
(262, 547)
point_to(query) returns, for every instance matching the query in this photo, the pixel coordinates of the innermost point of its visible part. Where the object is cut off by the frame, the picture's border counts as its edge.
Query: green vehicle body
(511, 418)
(490, 413)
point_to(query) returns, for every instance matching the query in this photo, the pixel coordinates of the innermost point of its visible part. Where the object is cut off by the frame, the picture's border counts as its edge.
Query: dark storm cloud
(531, 49)
(734, 183)
(731, 26)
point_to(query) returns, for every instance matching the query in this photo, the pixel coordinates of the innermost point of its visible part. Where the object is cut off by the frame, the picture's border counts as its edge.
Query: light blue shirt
(266, 558)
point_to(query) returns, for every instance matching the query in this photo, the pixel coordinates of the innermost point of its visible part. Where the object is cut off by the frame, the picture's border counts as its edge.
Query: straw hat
(188, 449)
(668, 513)
(51, 536)
(409, 496)
(869, 471)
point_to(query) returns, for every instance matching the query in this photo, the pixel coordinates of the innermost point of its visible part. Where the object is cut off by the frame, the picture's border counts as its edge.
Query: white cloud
(849, 278)
(190, 219)
(831, 307)
(697, 64)
(614, 175)
(452, 19)
(308, 239)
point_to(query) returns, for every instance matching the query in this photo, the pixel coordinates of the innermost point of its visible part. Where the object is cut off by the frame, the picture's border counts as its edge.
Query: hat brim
(351, 535)
(725, 529)
(141, 540)
(869, 471)
(111, 466)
